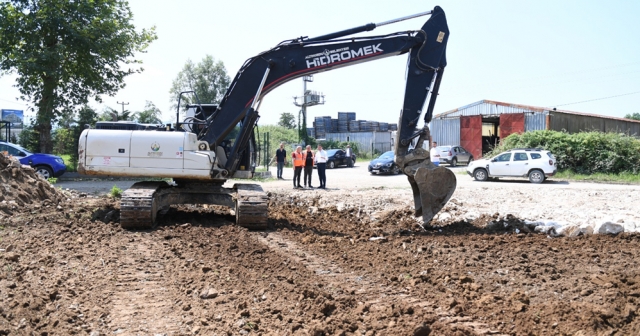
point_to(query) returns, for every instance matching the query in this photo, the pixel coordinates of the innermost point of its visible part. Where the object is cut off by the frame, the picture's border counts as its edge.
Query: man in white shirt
(321, 162)
(348, 153)
(435, 156)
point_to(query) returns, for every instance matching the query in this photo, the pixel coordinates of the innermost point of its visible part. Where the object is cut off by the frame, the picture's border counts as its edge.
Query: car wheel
(44, 171)
(331, 165)
(454, 162)
(470, 160)
(536, 176)
(480, 174)
(397, 170)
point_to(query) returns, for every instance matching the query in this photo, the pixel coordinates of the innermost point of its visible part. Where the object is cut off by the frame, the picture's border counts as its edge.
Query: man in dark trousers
(298, 164)
(321, 162)
(348, 153)
(308, 166)
(281, 156)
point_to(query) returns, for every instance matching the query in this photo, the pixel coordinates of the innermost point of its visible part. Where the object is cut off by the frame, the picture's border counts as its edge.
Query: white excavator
(217, 142)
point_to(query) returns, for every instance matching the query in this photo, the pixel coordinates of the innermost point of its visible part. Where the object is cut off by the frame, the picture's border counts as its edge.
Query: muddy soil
(331, 263)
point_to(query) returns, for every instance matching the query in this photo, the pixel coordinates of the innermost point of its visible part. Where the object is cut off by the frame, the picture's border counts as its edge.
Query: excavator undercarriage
(141, 203)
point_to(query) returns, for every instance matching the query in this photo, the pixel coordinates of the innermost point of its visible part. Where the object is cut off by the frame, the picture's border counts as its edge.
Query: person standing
(433, 153)
(348, 153)
(281, 156)
(321, 162)
(308, 166)
(298, 162)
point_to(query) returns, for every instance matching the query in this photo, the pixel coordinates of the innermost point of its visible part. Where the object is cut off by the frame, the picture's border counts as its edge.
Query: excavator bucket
(432, 188)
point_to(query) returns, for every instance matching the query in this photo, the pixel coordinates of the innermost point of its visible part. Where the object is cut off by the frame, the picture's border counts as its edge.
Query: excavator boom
(432, 186)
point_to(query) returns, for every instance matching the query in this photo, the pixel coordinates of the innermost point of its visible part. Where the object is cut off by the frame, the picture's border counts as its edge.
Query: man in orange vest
(308, 166)
(298, 162)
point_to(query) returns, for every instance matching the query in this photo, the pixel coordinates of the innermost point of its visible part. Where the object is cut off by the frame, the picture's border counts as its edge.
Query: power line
(603, 98)
(13, 102)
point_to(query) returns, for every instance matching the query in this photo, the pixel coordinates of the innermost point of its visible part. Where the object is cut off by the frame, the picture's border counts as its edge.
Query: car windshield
(331, 152)
(387, 156)
(13, 149)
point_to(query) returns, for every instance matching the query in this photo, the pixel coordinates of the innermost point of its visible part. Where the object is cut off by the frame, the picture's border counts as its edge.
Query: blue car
(46, 165)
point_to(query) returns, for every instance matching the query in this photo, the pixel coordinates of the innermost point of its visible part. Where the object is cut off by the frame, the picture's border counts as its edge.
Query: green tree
(85, 117)
(287, 120)
(63, 141)
(67, 51)
(208, 79)
(634, 116)
(29, 137)
(150, 115)
(110, 114)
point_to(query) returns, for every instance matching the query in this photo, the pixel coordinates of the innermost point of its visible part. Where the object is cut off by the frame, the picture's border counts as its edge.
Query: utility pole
(309, 98)
(123, 104)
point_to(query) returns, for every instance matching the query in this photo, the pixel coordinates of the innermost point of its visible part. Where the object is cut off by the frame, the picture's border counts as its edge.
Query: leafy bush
(115, 192)
(583, 153)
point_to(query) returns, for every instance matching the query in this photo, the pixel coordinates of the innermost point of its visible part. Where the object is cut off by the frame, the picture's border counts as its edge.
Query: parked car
(534, 163)
(46, 165)
(337, 157)
(453, 155)
(384, 164)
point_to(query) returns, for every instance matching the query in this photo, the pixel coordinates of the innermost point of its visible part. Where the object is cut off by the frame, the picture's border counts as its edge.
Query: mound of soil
(21, 186)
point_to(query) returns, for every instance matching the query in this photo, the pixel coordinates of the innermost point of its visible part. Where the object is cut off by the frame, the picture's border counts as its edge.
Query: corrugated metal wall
(535, 122)
(446, 132)
(380, 140)
(573, 123)
(488, 109)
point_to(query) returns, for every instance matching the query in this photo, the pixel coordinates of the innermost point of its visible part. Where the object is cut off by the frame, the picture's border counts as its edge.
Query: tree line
(67, 53)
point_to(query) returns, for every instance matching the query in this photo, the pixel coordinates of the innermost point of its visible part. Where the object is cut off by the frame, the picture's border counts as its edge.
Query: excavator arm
(432, 186)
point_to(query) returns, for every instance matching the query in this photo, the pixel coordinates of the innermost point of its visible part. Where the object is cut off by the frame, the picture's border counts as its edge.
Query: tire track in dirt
(371, 291)
(141, 301)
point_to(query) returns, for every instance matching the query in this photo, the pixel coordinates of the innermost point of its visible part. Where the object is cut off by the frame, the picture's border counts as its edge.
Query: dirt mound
(20, 185)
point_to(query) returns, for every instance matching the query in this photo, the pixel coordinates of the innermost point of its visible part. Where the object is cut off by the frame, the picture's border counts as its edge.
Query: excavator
(216, 142)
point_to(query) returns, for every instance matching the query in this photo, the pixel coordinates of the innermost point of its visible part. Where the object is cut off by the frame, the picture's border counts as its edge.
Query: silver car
(453, 155)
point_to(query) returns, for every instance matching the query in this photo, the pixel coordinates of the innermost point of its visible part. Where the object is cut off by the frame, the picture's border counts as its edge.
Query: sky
(580, 56)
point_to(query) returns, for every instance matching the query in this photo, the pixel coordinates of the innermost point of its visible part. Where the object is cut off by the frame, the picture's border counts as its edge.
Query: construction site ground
(349, 260)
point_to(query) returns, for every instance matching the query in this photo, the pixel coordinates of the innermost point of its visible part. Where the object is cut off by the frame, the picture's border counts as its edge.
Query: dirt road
(347, 261)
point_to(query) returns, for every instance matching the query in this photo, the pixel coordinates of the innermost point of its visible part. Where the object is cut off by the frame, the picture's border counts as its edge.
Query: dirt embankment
(21, 187)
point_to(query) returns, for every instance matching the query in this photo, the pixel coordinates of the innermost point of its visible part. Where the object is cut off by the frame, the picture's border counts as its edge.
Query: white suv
(534, 163)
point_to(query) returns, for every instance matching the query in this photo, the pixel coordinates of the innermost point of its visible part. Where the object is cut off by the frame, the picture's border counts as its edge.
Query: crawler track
(140, 204)
(138, 207)
(252, 208)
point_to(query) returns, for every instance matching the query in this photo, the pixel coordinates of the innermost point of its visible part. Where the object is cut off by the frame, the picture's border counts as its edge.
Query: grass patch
(67, 161)
(624, 177)
(115, 192)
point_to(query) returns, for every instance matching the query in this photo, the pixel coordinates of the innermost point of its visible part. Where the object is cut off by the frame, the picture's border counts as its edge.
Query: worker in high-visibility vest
(308, 166)
(298, 163)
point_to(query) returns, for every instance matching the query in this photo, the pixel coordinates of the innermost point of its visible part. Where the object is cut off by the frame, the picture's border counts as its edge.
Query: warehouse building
(478, 127)
(371, 136)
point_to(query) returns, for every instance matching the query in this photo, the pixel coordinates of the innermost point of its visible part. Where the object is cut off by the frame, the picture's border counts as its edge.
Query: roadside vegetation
(586, 154)
(629, 178)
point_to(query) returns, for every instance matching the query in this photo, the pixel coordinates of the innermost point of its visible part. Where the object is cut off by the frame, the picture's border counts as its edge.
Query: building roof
(492, 107)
